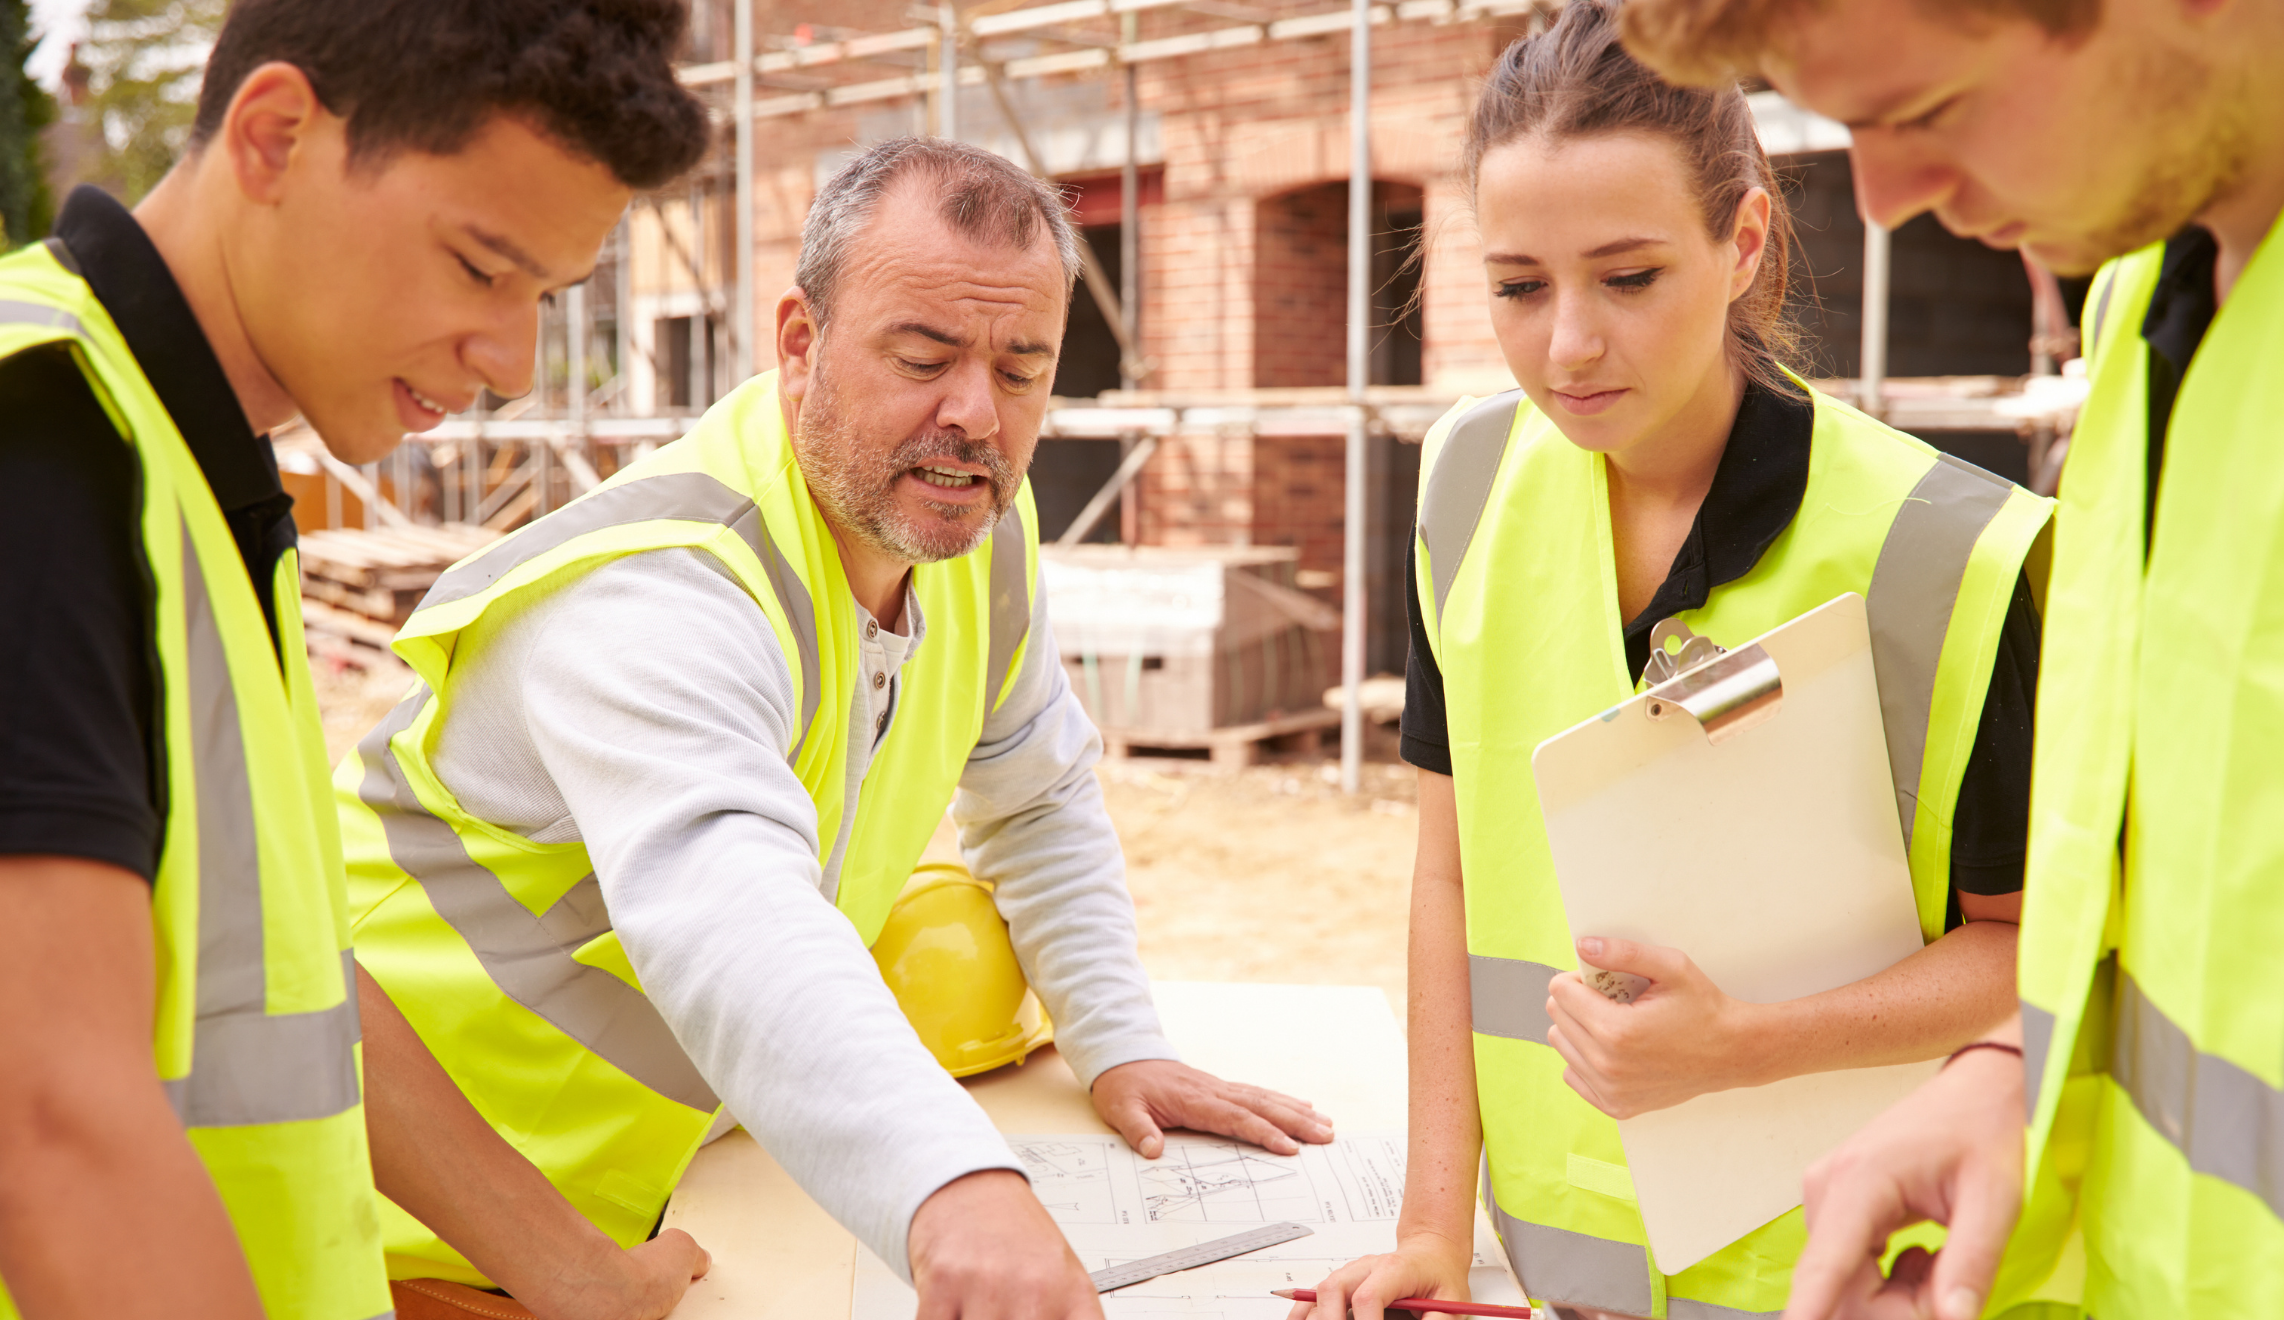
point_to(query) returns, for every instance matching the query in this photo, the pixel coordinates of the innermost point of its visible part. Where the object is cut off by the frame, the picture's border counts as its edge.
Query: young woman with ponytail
(1661, 462)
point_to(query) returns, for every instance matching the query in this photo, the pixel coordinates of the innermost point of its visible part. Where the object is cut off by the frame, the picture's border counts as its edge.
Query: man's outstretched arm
(651, 697)
(105, 1210)
(1951, 1152)
(435, 1156)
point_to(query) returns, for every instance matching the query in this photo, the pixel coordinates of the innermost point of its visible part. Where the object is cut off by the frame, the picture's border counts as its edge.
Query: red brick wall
(1300, 287)
(1243, 256)
(1299, 486)
(1197, 490)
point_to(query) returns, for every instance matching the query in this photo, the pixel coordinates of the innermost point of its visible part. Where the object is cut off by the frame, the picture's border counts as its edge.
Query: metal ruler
(1189, 1258)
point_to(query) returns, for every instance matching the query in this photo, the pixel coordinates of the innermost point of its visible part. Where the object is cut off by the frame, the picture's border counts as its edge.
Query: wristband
(2015, 1050)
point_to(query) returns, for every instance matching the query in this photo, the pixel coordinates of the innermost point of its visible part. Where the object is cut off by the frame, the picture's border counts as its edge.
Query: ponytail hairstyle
(1575, 80)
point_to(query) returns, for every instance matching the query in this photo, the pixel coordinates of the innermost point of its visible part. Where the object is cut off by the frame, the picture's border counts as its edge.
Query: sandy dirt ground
(1269, 874)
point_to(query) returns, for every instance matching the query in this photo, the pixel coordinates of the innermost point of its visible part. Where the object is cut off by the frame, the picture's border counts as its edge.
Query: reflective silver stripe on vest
(247, 1065)
(1460, 486)
(1507, 996)
(1689, 1308)
(2037, 1043)
(2228, 1122)
(24, 313)
(1575, 1269)
(1010, 603)
(527, 957)
(2101, 312)
(1915, 581)
(1915, 584)
(674, 497)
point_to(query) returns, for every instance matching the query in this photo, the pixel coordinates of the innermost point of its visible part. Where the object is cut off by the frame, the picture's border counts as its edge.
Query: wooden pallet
(358, 587)
(1234, 747)
(382, 574)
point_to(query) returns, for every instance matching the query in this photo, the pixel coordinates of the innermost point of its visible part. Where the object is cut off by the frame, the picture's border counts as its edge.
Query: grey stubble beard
(858, 491)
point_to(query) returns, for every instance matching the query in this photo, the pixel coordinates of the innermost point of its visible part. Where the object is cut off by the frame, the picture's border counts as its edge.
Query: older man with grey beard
(641, 697)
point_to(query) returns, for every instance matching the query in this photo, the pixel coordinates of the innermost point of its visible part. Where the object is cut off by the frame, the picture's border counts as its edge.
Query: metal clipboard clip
(1726, 692)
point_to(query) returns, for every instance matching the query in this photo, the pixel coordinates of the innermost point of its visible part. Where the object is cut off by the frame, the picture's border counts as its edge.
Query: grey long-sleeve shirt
(647, 710)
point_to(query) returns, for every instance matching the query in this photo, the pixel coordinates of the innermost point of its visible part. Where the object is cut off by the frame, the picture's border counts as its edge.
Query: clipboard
(1742, 812)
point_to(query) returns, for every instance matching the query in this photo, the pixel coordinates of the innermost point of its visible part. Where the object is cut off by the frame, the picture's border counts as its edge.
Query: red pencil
(1422, 1304)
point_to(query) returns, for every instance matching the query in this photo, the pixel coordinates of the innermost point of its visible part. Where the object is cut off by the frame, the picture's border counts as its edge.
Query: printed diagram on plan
(1116, 1207)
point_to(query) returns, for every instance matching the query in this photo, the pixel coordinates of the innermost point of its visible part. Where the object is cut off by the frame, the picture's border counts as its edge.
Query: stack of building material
(1208, 648)
(359, 587)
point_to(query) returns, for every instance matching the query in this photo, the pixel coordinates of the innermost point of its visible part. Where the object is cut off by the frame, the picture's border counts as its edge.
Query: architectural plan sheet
(1116, 1206)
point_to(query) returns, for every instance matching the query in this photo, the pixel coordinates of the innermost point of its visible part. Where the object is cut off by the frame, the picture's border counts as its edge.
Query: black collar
(1756, 491)
(2181, 310)
(132, 281)
(2184, 303)
(104, 244)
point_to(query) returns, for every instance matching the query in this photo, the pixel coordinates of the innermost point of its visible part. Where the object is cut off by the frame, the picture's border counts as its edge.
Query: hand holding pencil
(1422, 1304)
(1427, 1272)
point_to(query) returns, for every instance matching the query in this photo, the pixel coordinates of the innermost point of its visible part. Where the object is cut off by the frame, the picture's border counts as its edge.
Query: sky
(60, 22)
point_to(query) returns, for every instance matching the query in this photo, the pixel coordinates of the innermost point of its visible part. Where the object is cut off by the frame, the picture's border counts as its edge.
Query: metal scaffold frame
(494, 467)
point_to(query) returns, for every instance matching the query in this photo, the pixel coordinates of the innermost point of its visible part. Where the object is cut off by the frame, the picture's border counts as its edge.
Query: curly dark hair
(595, 75)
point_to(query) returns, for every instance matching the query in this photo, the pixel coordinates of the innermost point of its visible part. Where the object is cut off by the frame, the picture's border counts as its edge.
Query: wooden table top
(778, 1256)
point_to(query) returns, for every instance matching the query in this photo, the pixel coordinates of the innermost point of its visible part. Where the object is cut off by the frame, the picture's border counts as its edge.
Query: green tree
(143, 59)
(25, 108)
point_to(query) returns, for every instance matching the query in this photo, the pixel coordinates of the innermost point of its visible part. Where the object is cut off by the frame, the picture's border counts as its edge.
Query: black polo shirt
(2181, 310)
(82, 757)
(1757, 488)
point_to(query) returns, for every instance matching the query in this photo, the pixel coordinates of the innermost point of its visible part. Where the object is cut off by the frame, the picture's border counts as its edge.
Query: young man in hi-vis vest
(376, 196)
(2147, 1063)
(678, 747)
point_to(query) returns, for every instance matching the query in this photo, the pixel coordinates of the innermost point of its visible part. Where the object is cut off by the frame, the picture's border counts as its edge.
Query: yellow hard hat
(946, 957)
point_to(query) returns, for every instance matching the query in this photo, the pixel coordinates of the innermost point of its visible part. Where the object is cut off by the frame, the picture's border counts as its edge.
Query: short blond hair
(1709, 42)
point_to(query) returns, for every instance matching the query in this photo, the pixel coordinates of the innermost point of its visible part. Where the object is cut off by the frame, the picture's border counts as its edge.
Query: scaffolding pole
(1129, 268)
(622, 319)
(1359, 346)
(742, 356)
(1129, 227)
(948, 67)
(575, 334)
(1871, 364)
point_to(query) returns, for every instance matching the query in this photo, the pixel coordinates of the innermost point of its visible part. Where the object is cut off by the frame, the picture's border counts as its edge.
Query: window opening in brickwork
(1398, 324)
(1065, 474)
(1300, 287)
(1955, 307)
(673, 338)
(1089, 362)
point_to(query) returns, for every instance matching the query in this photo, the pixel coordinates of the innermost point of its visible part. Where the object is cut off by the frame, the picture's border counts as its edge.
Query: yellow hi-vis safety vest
(1517, 577)
(499, 950)
(2153, 989)
(256, 1031)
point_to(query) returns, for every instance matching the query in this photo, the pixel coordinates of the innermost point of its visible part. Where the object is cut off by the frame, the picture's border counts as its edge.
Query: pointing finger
(1845, 1236)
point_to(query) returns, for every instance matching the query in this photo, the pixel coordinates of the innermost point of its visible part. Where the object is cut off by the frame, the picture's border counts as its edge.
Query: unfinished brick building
(1240, 148)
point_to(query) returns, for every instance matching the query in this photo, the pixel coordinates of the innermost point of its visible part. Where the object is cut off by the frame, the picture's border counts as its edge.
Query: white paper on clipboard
(1775, 861)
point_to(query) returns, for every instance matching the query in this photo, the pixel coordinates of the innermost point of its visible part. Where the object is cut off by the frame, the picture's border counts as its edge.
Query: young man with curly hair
(376, 197)
(2144, 138)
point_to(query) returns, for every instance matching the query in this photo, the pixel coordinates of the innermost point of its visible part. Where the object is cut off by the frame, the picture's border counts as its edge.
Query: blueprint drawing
(1114, 1207)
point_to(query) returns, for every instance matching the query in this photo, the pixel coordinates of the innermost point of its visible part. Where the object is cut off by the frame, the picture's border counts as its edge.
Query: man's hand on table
(983, 1248)
(1143, 1098)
